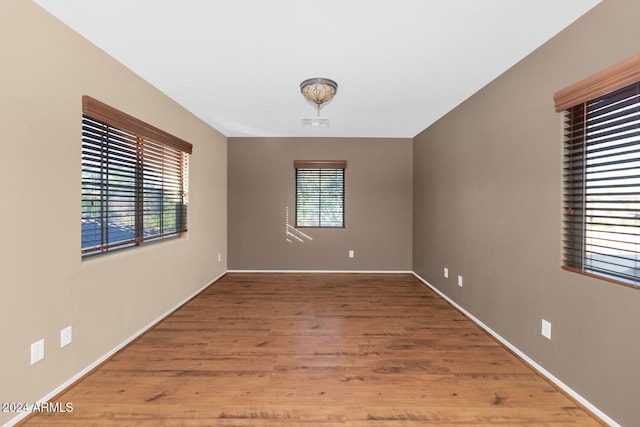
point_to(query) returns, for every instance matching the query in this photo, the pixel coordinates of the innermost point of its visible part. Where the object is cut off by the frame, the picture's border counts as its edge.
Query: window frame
(147, 168)
(582, 104)
(320, 165)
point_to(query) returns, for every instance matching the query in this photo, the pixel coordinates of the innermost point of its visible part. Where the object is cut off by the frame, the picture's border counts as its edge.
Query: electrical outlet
(546, 329)
(459, 280)
(219, 257)
(351, 253)
(65, 336)
(37, 351)
(446, 273)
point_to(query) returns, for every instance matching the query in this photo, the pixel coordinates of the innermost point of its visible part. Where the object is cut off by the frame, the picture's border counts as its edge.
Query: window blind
(602, 186)
(134, 187)
(320, 193)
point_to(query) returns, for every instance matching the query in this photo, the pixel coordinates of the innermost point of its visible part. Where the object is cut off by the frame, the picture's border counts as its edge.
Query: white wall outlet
(219, 257)
(65, 336)
(459, 280)
(546, 329)
(352, 253)
(37, 351)
(446, 273)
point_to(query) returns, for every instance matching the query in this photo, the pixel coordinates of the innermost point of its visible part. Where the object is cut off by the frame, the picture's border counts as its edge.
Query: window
(320, 193)
(134, 180)
(602, 178)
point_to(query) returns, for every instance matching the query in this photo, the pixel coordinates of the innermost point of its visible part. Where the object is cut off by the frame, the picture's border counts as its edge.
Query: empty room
(303, 213)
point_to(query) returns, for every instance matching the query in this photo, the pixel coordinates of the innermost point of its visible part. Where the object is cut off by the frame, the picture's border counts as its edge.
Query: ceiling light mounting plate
(315, 122)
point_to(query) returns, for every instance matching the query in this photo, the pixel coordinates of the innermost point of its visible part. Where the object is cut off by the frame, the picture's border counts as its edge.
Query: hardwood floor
(316, 350)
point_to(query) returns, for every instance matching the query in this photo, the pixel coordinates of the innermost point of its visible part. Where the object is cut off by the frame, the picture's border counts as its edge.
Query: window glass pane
(602, 186)
(108, 186)
(320, 197)
(133, 189)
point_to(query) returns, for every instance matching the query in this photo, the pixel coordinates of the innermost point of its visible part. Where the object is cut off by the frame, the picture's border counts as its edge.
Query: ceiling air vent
(315, 122)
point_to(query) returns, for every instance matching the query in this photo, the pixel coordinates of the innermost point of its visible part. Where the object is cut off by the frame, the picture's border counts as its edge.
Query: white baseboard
(584, 402)
(123, 344)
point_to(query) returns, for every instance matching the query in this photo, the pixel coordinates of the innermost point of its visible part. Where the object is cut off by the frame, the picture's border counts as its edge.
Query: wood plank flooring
(316, 350)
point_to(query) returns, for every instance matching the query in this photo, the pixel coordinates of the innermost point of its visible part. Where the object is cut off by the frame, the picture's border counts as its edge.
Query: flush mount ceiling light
(318, 91)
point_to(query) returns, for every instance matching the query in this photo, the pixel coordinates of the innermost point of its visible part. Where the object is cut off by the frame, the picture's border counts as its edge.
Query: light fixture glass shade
(318, 91)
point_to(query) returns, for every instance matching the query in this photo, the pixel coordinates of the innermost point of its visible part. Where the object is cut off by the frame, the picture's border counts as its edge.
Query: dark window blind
(602, 186)
(320, 193)
(134, 188)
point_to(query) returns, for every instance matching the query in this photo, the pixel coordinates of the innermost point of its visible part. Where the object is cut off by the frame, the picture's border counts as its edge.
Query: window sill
(602, 277)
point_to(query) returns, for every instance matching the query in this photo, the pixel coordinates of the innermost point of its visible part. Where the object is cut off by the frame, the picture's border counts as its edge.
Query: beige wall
(45, 68)
(487, 204)
(377, 206)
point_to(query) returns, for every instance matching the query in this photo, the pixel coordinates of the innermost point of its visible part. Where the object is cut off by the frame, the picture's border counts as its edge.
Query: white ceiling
(399, 64)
